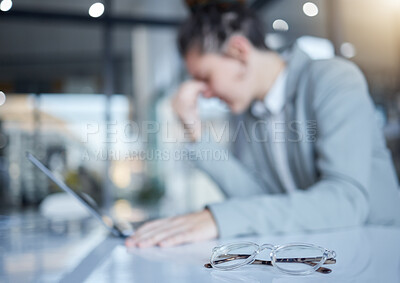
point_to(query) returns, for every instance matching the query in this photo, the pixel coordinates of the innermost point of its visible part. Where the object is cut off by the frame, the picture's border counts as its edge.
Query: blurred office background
(77, 85)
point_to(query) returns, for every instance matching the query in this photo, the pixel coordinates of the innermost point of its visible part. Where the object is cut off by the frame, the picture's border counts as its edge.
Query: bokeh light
(280, 25)
(310, 9)
(96, 10)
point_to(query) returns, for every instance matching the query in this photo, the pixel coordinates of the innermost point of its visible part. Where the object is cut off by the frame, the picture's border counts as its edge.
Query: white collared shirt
(274, 102)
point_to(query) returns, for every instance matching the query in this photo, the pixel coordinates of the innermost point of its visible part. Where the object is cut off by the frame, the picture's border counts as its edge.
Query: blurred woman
(308, 154)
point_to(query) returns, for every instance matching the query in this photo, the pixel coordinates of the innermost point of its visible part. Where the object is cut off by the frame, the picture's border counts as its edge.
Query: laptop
(119, 229)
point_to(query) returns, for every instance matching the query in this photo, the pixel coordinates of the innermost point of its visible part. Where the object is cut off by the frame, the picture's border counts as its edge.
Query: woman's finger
(155, 233)
(142, 230)
(161, 236)
(179, 238)
(150, 226)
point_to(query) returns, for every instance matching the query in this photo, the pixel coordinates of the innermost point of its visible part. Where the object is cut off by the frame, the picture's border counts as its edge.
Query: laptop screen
(84, 199)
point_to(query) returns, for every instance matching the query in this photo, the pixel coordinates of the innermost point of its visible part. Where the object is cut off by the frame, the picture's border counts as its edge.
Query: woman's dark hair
(211, 25)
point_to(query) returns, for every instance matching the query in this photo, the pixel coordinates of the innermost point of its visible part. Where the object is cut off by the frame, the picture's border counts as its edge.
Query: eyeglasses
(294, 259)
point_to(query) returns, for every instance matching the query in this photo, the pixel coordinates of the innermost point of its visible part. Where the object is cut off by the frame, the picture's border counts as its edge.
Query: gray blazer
(337, 157)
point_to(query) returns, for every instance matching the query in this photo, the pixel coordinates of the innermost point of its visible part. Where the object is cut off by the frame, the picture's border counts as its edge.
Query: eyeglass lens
(298, 258)
(233, 256)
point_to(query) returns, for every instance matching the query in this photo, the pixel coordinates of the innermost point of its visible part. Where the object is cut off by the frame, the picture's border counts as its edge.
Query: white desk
(370, 254)
(39, 254)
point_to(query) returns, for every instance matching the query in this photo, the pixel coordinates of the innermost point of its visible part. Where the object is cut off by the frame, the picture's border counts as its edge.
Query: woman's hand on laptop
(174, 231)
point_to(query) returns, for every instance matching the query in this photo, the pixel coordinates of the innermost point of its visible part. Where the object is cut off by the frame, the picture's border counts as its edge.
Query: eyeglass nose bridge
(265, 246)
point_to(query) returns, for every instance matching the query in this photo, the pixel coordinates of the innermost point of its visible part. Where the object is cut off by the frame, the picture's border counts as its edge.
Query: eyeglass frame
(328, 257)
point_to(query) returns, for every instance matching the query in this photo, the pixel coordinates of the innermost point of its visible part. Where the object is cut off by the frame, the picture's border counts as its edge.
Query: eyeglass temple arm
(323, 270)
(298, 259)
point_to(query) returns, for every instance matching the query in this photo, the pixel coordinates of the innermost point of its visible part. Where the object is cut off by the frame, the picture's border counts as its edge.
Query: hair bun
(194, 5)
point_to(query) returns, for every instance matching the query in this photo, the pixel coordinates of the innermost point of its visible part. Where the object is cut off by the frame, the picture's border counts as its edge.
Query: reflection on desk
(368, 254)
